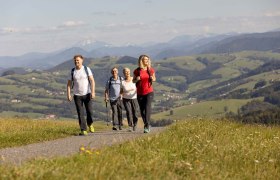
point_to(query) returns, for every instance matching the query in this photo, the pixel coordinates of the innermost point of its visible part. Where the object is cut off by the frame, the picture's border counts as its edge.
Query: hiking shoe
(83, 133)
(129, 129)
(146, 130)
(114, 128)
(91, 129)
(149, 128)
(120, 127)
(134, 128)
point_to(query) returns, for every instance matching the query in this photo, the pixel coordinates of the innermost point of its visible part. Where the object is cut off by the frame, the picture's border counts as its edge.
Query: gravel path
(68, 146)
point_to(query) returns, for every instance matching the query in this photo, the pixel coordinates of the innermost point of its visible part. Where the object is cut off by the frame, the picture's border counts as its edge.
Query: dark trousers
(131, 108)
(145, 104)
(80, 101)
(116, 112)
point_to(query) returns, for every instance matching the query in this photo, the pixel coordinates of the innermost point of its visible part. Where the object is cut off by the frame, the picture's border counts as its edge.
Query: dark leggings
(145, 104)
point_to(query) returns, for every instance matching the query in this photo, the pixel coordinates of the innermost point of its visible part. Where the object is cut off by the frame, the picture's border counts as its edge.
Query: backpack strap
(72, 76)
(138, 74)
(150, 78)
(86, 69)
(110, 82)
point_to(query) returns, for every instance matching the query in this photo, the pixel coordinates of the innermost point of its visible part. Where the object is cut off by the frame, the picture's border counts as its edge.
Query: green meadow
(18, 132)
(215, 109)
(190, 149)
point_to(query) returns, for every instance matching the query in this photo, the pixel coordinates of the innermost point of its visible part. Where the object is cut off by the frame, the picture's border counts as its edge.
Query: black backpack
(72, 75)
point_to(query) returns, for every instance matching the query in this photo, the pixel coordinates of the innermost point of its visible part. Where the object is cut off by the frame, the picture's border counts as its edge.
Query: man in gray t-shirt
(113, 94)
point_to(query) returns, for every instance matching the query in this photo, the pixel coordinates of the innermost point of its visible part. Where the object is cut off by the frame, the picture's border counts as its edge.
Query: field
(17, 132)
(203, 109)
(191, 149)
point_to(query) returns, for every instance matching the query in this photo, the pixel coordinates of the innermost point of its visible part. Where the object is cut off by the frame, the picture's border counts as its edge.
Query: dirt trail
(68, 146)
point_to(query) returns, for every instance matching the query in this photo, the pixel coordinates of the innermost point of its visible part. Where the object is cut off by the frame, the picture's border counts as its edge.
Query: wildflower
(82, 148)
(88, 152)
(97, 152)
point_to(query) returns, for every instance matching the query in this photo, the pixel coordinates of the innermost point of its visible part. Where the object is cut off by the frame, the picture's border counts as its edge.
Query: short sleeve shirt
(81, 82)
(115, 88)
(129, 90)
(144, 86)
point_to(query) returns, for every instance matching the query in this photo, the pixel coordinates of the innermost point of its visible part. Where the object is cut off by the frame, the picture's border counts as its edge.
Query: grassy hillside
(178, 78)
(18, 132)
(202, 109)
(193, 149)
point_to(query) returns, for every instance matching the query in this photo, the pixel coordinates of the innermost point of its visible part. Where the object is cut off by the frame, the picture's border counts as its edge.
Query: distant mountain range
(179, 46)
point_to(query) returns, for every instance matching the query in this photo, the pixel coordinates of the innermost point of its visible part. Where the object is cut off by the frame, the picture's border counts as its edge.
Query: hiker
(82, 82)
(144, 76)
(113, 95)
(130, 100)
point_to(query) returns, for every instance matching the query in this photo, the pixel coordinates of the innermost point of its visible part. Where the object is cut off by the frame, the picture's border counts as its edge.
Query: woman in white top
(130, 99)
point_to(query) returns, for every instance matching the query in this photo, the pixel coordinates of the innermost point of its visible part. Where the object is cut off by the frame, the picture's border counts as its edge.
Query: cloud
(7, 30)
(67, 25)
(121, 26)
(72, 24)
(272, 14)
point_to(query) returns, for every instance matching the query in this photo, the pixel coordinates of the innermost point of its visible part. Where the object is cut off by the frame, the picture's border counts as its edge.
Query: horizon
(47, 26)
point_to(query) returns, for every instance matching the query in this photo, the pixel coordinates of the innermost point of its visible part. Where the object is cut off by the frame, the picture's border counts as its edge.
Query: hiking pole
(107, 113)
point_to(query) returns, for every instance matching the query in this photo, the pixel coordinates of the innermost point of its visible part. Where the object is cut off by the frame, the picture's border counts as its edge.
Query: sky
(50, 25)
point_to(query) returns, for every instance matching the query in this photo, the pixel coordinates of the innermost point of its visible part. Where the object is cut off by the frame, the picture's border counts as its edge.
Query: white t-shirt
(81, 82)
(129, 90)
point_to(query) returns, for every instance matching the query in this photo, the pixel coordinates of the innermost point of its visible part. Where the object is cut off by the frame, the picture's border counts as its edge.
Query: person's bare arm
(92, 86)
(69, 97)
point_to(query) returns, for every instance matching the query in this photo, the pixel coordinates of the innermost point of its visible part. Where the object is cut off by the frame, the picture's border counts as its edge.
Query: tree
(9, 72)
(260, 84)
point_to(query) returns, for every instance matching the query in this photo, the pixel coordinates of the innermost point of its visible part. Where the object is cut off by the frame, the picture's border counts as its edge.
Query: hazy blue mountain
(41, 60)
(178, 46)
(55, 59)
(256, 41)
(15, 70)
(90, 45)
(185, 45)
(21, 61)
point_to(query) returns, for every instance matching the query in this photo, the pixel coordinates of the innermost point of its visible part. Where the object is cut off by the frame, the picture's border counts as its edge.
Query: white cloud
(272, 14)
(73, 24)
(6, 30)
(121, 26)
(67, 25)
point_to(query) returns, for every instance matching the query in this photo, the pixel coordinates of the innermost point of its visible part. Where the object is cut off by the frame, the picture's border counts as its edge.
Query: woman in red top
(144, 75)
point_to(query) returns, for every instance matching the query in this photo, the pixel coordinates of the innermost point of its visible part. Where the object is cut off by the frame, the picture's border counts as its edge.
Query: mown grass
(17, 132)
(195, 149)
